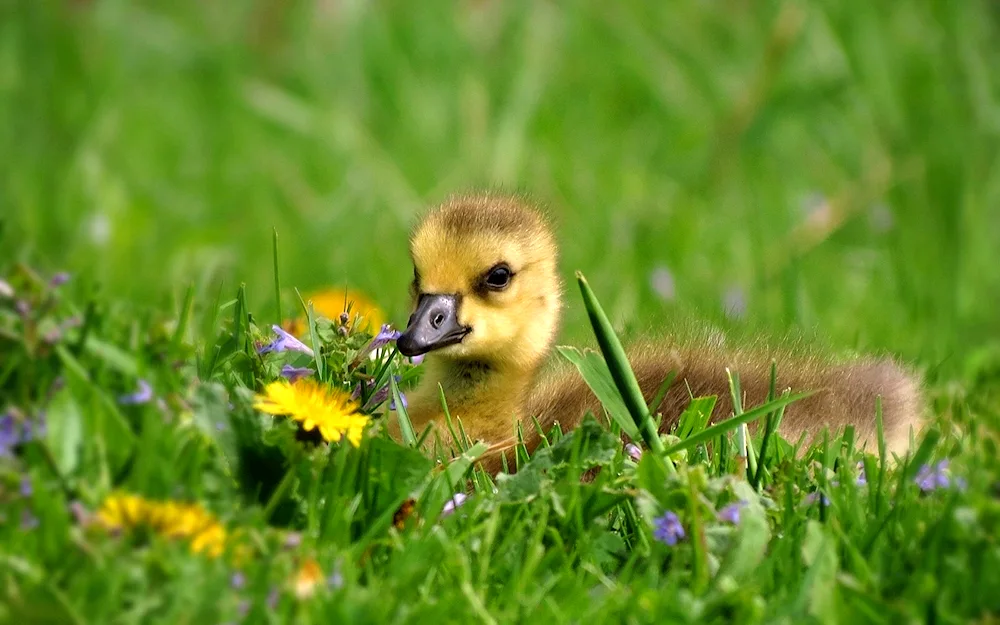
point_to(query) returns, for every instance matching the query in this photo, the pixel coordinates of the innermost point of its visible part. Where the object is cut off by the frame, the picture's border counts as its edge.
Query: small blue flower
(633, 451)
(402, 398)
(285, 342)
(238, 580)
(296, 373)
(381, 395)
(932, 478)
(59, 279)
(9, 437)
(862, 478)
(668, 529)
(385, 336)
(731, 512)
(26, 487)
(453, 503)
(143, 395)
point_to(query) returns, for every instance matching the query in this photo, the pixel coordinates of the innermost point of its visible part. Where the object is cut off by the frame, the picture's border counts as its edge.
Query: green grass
(153, 149)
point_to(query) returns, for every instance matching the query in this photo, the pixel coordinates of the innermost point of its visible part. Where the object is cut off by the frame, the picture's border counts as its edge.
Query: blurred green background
(828, 166)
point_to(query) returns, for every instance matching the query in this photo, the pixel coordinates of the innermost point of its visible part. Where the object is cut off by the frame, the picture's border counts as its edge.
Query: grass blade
(405, 426)
(730, 424)
(277, 280)
(621, 371)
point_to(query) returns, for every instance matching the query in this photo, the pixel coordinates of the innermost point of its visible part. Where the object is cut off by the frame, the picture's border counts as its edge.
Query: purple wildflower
(633, 451)
(143, 395)
(22, 307)
(386, 335)
(238, 580)
(28, 520)
(931, 478)
(292, 540)
(668, 528)
(731, 512)
(6, 290)
(285, 342)
(402, 398)
(662, 283)
(59, 279)
(8, 435)
(296, 373)
(53, 336)
(26, 488)
(380, 395)
(862, 478)
(813, 497)
(453, 503)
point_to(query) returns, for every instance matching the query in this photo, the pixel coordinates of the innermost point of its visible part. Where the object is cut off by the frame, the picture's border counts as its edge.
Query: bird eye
(498, 278)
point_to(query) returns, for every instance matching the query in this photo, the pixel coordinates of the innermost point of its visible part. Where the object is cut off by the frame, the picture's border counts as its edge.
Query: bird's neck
(488, 397)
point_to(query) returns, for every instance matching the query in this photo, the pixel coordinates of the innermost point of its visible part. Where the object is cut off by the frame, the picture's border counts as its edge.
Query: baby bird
(487, 300)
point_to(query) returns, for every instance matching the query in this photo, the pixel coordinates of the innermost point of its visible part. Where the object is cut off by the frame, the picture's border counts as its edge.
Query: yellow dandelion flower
(307, 579)
(170, 519)
(121, 511)
(316, 406)
(211, 540)
(330, 303)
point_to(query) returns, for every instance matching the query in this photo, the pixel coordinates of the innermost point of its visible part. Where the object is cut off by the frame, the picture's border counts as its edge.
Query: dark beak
(433, 325)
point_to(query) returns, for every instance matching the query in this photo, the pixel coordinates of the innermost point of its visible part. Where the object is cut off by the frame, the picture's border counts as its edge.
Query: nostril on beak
(437, 320)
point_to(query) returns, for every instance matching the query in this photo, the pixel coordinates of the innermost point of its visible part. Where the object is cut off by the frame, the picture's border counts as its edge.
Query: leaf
(818, 595)
(65, 431)
(751, 537)
(695, 417)
(587, 446)
(400, 469)
(114, 357)
(450, 481)
(621, 370)
(731, 424)
(595, 373)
